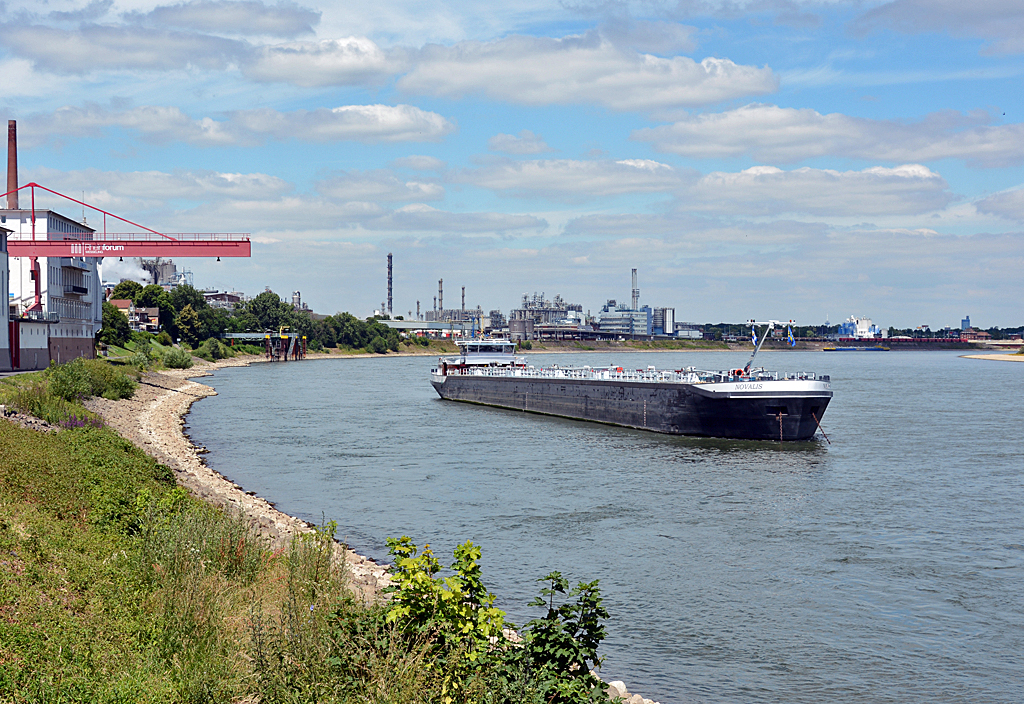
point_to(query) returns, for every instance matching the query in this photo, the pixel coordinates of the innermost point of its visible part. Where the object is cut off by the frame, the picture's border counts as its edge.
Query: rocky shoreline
(153, 420)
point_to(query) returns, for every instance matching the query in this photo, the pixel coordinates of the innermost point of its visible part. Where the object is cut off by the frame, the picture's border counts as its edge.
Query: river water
(885, 567)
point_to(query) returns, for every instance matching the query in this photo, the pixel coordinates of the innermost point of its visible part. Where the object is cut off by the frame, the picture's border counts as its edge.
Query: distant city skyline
(751, 159)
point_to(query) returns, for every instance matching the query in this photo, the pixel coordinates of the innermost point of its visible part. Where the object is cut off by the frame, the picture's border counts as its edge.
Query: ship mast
(753, 325)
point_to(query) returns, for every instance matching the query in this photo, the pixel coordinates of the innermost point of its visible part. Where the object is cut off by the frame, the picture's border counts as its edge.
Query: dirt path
(153, 418)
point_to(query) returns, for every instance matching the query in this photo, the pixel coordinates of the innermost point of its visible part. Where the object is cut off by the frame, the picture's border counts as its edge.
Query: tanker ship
(749, 403)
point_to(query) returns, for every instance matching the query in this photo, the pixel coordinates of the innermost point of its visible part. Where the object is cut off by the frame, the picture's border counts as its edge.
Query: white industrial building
(58, 316)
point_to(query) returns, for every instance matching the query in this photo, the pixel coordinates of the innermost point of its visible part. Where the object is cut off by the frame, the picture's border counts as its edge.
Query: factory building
(619, 319)
(56, 299)
(664, 321)
(859, 328)
(542, 311)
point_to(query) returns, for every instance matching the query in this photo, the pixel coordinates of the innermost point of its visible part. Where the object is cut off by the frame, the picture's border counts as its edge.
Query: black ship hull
(763, 411)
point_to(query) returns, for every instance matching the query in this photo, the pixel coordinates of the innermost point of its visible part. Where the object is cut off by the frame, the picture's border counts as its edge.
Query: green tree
(214, 321)
(126, 290)
(149, 297)
(115, 330)
(189, 326)
(269, 311)
(186, 295)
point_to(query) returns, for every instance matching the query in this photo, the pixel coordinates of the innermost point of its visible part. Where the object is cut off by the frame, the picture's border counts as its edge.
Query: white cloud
(237, 17)
(580, 69)
(769, 191)
(378, 185)
(566, 179)
(139, 190)
(94, 47)
(1008, 205)
(423, 218)
(417, 162)
(331, 62)
(364, 123)
(525, 143)
(772, 134)
(1001, 22)
(656, 37)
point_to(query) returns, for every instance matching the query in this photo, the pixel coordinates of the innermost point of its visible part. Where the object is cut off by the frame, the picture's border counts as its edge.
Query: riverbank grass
(116, 585)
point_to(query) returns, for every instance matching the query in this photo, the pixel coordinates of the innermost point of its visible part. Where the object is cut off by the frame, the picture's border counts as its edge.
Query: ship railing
(689, 375)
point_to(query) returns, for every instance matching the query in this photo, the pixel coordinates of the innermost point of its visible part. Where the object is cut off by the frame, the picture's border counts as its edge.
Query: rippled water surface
(885, 567)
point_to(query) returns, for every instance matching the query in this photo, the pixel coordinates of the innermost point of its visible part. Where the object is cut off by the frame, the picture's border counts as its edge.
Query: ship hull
(769, 410)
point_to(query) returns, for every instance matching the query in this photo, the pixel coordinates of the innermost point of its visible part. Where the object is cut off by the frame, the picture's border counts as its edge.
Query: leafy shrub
(213, 349)
(140, 361)
(71, 381)
(106, 380)
(377, 346)
(177, 358)
(526, 345)
(141, 336)
(560, 649)
(424, 341)
(164, 339)
(316, 346)
(455, 614)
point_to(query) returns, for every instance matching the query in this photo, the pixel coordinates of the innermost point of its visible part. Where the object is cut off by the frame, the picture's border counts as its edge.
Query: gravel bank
(153, 418)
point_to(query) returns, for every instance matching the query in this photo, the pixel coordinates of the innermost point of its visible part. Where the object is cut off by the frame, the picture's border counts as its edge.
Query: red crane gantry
(144, 243)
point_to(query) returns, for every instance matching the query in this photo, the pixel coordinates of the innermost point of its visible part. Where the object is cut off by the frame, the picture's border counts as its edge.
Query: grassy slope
(72, 614)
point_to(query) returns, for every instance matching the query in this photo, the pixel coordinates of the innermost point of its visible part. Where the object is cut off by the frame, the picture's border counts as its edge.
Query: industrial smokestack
(462, 316)
(440, 296)
(12, 164)
(389, 283)
(636, 293)
(417, 310)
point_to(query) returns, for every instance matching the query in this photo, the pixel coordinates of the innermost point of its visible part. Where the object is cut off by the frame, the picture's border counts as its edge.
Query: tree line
(186, 316)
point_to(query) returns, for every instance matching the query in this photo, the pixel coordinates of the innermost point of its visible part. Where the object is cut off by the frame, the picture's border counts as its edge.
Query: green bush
(378, 346)
(108, 381)
(71, 381)
(213, 349)
(141, 336)
(164, 339)
(178, 358)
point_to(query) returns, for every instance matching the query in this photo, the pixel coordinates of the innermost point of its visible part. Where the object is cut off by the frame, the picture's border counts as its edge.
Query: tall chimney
(462, 316)
(389, 283)
(12, 164)
(440, 296)
(417, 310)
(636, 293)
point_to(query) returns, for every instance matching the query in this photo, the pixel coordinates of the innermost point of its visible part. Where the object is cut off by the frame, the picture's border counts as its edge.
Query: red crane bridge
(141, 241)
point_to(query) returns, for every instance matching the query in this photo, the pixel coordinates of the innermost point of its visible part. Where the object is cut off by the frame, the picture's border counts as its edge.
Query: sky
(784, 159)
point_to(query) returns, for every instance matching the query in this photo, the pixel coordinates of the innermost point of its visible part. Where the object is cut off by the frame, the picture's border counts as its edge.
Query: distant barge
(748, 404)
(874, 348)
